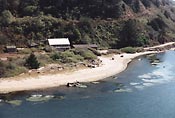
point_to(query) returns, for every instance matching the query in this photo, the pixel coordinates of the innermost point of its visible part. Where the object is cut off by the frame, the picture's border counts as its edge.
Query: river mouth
(142, 90)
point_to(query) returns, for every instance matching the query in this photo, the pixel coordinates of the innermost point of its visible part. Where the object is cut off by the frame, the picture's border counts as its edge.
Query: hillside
(108, 23)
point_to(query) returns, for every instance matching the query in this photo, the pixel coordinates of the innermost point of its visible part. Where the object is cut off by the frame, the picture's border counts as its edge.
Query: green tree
(32, 62)
(129, 34)
(29, 10)
(2, 69)
(136, 6)
(7, 17)
(146, 3)
(162, 36)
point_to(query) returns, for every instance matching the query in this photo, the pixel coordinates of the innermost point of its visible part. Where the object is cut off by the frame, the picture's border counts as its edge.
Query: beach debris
(122, 56)
(94, 63)
(76, 84)
(92, 66)
(14, 102)
(115, 77)
(39, 98)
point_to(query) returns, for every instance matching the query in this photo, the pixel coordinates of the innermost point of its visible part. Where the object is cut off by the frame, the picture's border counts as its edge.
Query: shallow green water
(142, 91)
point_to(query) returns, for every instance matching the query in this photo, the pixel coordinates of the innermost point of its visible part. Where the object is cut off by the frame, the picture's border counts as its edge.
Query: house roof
(10, 46)
(59, 41)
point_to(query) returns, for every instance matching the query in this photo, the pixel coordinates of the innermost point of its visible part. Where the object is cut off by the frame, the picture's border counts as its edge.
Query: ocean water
(141, 91)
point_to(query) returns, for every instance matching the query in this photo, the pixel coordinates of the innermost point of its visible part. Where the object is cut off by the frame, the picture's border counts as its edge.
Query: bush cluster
(10, 69)
(129, 50)
(75, 55)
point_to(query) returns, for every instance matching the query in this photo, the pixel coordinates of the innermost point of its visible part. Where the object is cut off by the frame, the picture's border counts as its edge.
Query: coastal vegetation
(108, 23)
(116, 25)
(11, 68)
(15, 66)
(132, 49)
(128, 50)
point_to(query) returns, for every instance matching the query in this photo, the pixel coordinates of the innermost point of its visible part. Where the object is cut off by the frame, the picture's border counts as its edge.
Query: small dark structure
(84, 46)
(10, 49)
(60, 44)
(33, 45)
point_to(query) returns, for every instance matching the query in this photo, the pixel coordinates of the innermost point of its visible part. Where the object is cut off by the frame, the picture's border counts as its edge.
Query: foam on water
(123, 90)
(148, 84)
(133, 84)
(148, 76)
(162, 74)
(140, 87)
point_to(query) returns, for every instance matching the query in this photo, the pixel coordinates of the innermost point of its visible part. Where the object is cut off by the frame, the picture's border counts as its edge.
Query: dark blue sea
(141, 91)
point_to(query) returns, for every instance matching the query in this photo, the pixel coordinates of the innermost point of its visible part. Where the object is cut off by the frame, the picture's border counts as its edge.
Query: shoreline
(108, 68)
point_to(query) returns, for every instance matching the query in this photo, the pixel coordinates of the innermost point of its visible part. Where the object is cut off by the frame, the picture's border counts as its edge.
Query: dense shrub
(75, 55)
(157, 24)
(146, 3)
(10, 69)
(69, 56)
(114, 51)
(55, 56)
(25, 51)
(2, 69)
(129, 50)
(88, 55)
(66, 57)
(15, 70)
(44, 59)
(142, 40)
(7, 17)
(85, 53)
(95, 52)
(29, 10)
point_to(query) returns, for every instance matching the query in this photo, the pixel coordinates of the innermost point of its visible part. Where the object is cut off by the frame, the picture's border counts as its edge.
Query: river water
(141, 91)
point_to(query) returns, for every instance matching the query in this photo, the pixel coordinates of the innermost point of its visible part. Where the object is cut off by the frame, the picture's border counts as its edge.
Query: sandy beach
(108, 68)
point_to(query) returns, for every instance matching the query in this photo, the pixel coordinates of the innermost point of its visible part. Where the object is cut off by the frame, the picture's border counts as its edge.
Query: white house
(60, 43)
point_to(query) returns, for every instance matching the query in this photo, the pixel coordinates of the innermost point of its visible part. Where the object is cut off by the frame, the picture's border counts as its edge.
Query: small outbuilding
(85, 46)
(33, 45)
(10, 49)
(60, 43)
